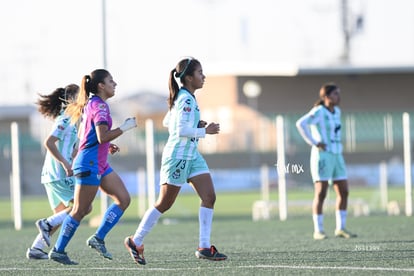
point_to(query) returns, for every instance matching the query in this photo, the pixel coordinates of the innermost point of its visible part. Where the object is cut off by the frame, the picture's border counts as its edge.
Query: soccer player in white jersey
(321, 129)
(182, 163)
(57, 174)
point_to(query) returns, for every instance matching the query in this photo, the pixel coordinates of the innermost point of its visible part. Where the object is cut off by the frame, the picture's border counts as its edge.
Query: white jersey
(182, 122)
(67, 139)
(321, 125)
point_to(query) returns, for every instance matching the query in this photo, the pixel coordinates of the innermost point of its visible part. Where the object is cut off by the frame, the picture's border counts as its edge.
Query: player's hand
(113, 148)
(68, 169)
(213, 128)
(321, 146)
(202, 124)
(128, 124)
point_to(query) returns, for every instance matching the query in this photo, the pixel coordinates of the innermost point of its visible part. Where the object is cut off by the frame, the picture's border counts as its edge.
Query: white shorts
(177, 171)
(327, 166)
(60, 191)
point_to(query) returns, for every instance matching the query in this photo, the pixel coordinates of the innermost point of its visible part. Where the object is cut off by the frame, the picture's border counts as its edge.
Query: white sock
(150, 218)
(57, 218)
(205, 219)
(318, 222)
(38, 242)
(340, 216)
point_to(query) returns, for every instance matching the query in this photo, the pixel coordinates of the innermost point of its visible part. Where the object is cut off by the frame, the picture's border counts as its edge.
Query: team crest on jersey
(176, 174)
(337, 128)
(102, 106)
(187, 109)
(61, 127)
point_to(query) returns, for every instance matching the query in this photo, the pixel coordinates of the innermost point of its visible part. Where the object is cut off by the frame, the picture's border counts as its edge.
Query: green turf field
(385, 244)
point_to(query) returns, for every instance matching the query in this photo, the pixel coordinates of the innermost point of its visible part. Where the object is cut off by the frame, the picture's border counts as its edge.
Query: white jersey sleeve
(304, 126)
(187, 121)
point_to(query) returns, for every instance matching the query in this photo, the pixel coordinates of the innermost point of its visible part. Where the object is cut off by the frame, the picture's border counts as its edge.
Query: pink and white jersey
(92, 155)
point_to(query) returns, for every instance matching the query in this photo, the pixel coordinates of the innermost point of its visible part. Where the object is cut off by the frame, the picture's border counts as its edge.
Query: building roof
(16, 111)
(290, 70)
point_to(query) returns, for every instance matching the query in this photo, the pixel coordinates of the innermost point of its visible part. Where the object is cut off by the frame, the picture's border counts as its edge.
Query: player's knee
(320, 195)
(164, 204)
(209, 200)
(345, 193)
(79, 213)
(124, 203)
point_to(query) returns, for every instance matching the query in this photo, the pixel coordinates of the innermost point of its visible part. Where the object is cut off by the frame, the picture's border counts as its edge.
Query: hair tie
(175, 73)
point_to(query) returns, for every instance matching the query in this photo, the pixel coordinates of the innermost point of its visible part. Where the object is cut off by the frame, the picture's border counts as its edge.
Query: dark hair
(89, 85)
(185, 67)
(325, 90)
(51, 105)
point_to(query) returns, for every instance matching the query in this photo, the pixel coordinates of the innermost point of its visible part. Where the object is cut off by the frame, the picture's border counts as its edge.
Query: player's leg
(341, 213)
(85, 192)
(135, 244)
(340, 185)
(320, 191)
(321, 171)
(173, 175)
(203, 185)
(59, 193)
(48, 226)
(114, 187)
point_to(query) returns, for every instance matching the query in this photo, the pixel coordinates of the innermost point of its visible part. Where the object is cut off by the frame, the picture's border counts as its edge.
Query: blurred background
(262, 59)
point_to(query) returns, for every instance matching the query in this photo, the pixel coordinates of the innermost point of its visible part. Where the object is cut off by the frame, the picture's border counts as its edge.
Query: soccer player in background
(57, 174)
(182, 163)
(90, 167)
(321, 129)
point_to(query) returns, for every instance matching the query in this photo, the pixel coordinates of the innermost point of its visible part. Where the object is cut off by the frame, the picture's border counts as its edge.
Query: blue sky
(50, 43)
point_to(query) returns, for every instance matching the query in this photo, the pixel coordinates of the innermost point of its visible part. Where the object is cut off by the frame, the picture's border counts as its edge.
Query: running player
(90, 167)
(321, 128)
(182, 163)
(57, 174)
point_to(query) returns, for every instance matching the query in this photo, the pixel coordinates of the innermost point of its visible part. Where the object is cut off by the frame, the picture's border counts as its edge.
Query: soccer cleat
(210, 254)
(137, 252)
(61, 257)
(34, 253)
(44, 229)
(319, 236)
(99, 245)
(343, 233)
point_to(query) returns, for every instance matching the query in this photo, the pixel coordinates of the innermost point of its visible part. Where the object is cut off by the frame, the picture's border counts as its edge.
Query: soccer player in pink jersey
(90, 167)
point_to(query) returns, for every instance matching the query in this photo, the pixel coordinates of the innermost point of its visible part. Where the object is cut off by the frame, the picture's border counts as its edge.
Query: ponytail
(75, 109)
(173, 87)
(318, 102)
(50, 105)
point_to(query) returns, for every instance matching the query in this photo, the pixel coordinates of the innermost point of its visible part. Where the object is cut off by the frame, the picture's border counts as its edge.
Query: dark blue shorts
(84, 176)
